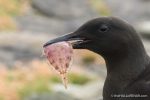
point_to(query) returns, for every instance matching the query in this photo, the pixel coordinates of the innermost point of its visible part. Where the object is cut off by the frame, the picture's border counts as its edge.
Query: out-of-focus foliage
(88, 59)
(8, 9)
(37, 86)
(37, 78)
(79, 79)
(6, 23)
(101, 7)
(74, 78)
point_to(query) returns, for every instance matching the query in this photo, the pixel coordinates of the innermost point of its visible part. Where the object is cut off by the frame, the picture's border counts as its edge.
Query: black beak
(75, 39)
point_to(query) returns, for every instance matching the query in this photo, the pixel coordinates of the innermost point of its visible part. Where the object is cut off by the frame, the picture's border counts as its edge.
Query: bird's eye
(103, 28)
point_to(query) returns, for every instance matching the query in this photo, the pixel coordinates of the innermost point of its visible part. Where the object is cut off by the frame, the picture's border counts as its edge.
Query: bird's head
(105, 35)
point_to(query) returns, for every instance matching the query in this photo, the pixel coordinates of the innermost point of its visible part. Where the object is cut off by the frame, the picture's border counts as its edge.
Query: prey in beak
(59, 52)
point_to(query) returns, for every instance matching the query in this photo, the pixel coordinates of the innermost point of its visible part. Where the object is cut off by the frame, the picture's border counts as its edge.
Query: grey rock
(133, 11)
(144, 29)
(51, 96)
(90, 91)
(147, 46)
(9, 54)
(21, 46)
(65, 9)
(58, 16)
(41, 24)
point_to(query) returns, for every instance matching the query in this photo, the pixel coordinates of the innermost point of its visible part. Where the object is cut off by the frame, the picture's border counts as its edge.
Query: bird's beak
(75, 39)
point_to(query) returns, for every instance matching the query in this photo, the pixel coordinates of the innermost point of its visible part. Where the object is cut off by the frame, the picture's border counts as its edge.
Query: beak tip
(44, 45)
(47, 43)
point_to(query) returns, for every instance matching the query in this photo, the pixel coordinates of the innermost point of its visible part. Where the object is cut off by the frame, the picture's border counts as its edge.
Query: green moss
(1, 97)
(41, 84)
(88, 59)
(9, 9)
(38, 87)
(55, 79)
(101, 7)
(74, 78)
(9, 77)
(78, 79)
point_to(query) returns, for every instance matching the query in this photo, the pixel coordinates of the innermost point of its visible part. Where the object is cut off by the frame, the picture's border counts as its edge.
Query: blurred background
(25, 25)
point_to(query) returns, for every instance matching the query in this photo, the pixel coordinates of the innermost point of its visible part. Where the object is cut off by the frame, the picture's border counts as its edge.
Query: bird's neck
(128, 65)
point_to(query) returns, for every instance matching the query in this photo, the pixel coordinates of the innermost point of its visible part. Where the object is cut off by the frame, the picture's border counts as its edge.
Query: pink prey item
(59, 56)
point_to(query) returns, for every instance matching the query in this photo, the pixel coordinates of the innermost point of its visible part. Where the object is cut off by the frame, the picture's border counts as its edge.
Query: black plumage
(128, 65)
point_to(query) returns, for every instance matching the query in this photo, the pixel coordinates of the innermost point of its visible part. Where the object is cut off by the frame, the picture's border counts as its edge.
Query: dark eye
(103, 28)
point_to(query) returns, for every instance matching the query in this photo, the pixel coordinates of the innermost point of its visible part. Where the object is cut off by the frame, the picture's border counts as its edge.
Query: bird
(127, 62)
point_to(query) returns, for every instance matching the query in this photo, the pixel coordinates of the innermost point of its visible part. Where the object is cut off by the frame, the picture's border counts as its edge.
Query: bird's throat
(125, 68)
